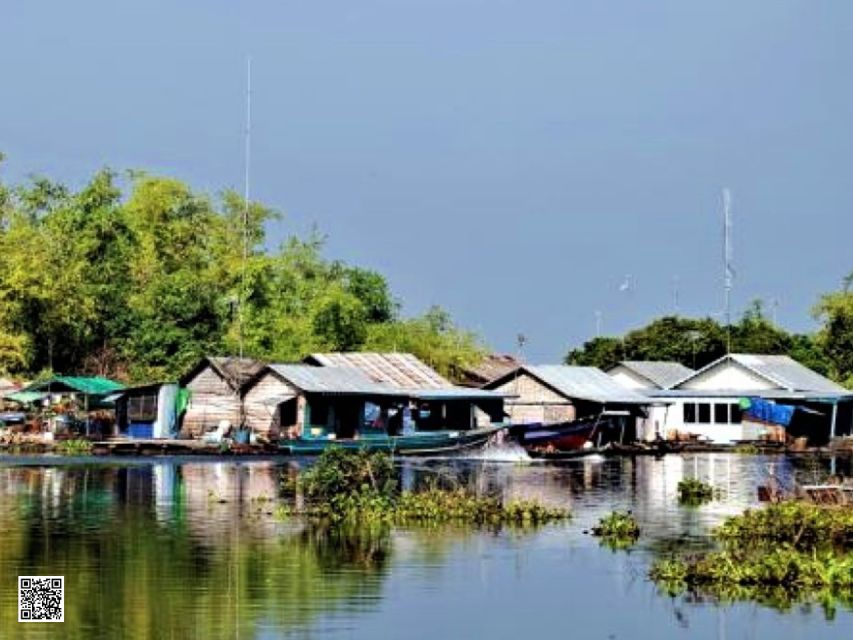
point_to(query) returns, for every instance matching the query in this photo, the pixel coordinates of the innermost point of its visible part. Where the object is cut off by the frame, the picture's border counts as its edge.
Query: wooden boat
(416, 444)
(562, 436)
(612, 449)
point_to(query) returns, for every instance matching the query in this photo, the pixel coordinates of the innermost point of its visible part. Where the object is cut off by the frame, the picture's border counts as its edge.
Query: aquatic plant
(619, 530)
(76, 447)
(746, 449)
(345, 485)
(693, 491)
(799, 524)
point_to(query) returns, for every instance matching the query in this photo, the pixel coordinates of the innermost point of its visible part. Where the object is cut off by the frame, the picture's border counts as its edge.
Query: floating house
(148, 411)
(309, 401)
(550, 394)
(709, 403)
(215, 387)
(651, 374)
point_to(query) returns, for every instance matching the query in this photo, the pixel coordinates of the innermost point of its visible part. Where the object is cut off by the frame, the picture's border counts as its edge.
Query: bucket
(241, 436)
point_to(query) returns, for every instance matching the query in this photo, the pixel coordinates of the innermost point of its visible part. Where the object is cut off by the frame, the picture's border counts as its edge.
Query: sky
(512, 161)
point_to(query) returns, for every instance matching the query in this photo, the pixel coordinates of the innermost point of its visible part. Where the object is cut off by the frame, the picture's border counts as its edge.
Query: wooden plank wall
(260, 416)
(211, 400)
(535, 402)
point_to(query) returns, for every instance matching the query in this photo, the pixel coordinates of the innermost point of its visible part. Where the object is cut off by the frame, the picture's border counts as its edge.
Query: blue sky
(511, 161)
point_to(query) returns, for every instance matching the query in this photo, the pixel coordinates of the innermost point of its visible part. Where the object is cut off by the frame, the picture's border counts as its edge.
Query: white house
(648, 374)
(706, 403)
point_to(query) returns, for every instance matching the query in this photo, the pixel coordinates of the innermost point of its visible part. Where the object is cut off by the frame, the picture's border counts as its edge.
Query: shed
(216, 386)
(148, 411)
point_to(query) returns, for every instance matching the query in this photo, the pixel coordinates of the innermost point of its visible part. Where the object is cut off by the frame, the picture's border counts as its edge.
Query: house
(548, 394)
(650, 374)
(489, 368)
(215, 387)
(708, 403)
(148, 411)
(304, 400)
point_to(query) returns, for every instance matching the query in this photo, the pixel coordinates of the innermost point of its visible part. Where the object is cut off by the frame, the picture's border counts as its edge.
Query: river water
(191, 548)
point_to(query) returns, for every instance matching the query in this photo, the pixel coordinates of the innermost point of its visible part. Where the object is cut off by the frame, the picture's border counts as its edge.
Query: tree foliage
(138, 278)
(695, 342)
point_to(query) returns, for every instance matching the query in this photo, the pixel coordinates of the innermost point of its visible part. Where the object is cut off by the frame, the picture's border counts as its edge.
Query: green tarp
(92, 386)
(25, 397)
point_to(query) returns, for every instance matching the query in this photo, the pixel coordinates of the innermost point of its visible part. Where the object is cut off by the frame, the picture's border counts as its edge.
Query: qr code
(41, 598)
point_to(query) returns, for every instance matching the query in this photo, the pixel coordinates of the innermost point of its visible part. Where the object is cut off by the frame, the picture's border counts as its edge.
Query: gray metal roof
(662, 373)
(585, 383)
(769, 394)
(401, 370)
(333, 380)
(781, 370)
(458, 393)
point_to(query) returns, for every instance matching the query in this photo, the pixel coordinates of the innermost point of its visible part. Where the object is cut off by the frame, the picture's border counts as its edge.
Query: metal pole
(834, 420)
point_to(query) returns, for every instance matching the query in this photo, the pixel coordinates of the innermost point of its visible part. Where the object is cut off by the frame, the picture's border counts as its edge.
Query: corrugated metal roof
(585, 383)
(781, 370)
(401, 370)
(662, 373)
(459, 393)
(333, 380)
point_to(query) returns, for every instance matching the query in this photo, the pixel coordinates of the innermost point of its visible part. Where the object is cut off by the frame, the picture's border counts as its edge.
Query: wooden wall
(261, 417)
(535, 402)
(211, 400)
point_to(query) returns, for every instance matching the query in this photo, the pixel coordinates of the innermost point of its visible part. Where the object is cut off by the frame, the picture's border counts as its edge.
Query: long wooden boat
(562, 436)
(416, 444)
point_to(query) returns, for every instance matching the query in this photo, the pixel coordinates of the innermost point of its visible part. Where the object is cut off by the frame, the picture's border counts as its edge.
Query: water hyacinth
(360, 486)
(693, 491)
(619, 530)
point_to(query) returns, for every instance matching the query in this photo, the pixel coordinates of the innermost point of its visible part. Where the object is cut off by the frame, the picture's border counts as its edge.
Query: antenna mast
(728, 271)
(246, 199)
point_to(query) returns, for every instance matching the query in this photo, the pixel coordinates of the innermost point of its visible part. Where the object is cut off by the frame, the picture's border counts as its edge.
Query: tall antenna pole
(246, 199)
(675, 283)
(728, 272)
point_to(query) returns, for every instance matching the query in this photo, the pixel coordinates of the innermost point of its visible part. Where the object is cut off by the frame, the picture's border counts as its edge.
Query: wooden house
(549, 394)
(216, 392)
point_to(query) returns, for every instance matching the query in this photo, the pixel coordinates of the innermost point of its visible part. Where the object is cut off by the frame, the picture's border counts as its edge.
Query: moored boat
(418, 443)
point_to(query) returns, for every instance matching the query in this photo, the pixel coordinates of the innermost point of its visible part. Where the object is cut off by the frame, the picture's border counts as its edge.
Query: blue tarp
(768, 411)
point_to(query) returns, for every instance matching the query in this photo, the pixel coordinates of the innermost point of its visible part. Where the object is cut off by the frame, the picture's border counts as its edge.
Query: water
(189, 548)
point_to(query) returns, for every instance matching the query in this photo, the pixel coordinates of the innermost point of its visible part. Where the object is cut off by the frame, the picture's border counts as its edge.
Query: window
(721, 413)
(142, 408)
(704, 411)
(689, 412)
(737, 413)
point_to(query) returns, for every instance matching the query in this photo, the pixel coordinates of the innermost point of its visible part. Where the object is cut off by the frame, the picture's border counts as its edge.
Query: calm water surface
(192, 549)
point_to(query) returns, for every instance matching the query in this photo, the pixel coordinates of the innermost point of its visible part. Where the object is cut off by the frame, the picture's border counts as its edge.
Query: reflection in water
(192, 549)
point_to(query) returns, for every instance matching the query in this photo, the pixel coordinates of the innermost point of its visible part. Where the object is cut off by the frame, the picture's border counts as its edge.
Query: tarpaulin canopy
(767, 411)
(92, 386)
(25, 397)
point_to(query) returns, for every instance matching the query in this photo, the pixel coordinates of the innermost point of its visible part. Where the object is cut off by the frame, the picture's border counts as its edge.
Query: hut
(215, 387)
(148, 411)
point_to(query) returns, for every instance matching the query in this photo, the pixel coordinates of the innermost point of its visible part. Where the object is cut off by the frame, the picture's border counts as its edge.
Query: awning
(25, 397)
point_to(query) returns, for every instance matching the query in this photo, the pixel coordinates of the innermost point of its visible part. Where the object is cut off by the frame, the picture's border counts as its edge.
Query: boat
(414, 444)
(655, 448)
(561, 436)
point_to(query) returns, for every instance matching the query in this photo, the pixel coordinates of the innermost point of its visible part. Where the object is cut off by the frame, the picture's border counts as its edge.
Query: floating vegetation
(798, 524)
(76, 447)
(693, 492)
(786, 553)
(619, 530)
(360, 486)
(747, 449)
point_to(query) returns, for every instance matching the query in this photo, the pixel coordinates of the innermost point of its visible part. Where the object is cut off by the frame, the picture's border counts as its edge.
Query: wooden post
(834, 420)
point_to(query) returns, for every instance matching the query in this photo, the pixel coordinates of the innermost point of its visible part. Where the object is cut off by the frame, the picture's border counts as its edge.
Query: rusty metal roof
(400, 370)
(333, 380)
(489, 368)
